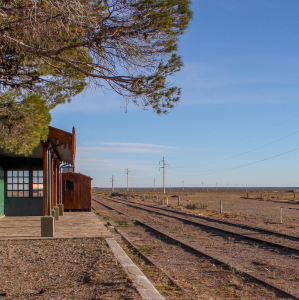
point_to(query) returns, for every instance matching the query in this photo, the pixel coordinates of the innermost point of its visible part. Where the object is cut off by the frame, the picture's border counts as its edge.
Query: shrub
(192, 206)
(203, 205)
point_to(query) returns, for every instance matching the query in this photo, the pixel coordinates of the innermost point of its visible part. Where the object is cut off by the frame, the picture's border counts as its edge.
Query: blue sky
(239, 107)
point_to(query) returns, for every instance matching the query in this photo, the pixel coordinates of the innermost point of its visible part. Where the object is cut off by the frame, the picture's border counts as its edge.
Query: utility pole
(127, 173)
(164, 164)
(112, 180)
(154, 184)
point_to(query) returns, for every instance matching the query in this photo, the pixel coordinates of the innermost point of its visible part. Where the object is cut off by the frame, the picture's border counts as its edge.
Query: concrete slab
(143, 285)
(71, 225)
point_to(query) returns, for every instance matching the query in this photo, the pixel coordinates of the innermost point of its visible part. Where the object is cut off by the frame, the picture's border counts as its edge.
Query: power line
(252, 150)
(240, 166)
(233, 143)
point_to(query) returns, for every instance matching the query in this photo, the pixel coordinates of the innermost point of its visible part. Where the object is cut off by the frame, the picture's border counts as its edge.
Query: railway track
(286, 241)
(200, 252)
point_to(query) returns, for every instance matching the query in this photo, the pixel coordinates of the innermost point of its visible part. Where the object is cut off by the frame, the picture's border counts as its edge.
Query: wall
(80, 197)
(23, 206)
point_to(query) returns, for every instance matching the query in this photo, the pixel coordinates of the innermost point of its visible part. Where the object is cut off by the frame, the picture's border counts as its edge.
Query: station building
(32, 185)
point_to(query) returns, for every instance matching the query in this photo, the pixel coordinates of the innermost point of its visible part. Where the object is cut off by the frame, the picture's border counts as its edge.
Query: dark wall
(23, 206)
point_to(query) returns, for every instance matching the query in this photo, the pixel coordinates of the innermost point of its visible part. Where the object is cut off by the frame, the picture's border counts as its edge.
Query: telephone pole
(112, 180)
(164, 164)
(127, 173)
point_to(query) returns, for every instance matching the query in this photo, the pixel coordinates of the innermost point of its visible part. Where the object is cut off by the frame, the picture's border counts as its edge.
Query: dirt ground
(62, 269)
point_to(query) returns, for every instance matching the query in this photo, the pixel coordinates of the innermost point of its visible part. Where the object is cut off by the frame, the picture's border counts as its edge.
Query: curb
(145, 288)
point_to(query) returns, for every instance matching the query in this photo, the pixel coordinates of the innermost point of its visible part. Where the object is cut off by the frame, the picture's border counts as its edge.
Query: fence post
(281, 215)
(167, 200)
(143, 197)
(221, 206)
(179, 201)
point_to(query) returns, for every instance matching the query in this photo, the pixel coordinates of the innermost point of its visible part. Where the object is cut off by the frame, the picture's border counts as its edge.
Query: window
(18, 183)
(69, 185)
(22, 183)
(38, 183)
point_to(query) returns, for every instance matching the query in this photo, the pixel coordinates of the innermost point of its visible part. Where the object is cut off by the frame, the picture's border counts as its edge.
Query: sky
(237, 120)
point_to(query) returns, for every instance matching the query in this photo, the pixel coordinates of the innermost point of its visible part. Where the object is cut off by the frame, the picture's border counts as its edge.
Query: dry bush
(192, 206)
(202, 205)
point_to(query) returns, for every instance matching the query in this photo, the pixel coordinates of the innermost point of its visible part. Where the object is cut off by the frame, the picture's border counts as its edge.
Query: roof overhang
(61, 143)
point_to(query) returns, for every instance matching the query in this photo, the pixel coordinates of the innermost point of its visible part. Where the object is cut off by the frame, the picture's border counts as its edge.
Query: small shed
(76, 192)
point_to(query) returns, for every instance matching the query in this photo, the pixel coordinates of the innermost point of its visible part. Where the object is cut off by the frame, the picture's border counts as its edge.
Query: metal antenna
(112, 180)
(164, 164)
(127, 173)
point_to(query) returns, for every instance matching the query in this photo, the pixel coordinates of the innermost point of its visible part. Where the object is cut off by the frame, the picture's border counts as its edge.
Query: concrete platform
(71, 225)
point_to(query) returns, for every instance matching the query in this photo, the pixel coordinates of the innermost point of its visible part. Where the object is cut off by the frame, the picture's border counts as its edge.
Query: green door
(1, 191)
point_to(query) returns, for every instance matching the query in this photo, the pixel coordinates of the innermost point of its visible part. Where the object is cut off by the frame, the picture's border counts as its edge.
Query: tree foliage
(54, 48)
(24, 123)
(130, 45)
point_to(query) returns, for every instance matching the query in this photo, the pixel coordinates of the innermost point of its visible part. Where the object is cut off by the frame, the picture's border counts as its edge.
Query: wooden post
(221, 206)
(167, 200)
(58, 184)
(179, 200)
(281, 215)
(55, 183)
(52, 179)
(46, 178)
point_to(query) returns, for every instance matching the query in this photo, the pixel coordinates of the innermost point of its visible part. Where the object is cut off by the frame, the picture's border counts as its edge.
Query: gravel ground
(198, 275)
(62, 269)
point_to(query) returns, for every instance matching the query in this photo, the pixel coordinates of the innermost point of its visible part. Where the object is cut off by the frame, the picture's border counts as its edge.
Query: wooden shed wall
(80, 197)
